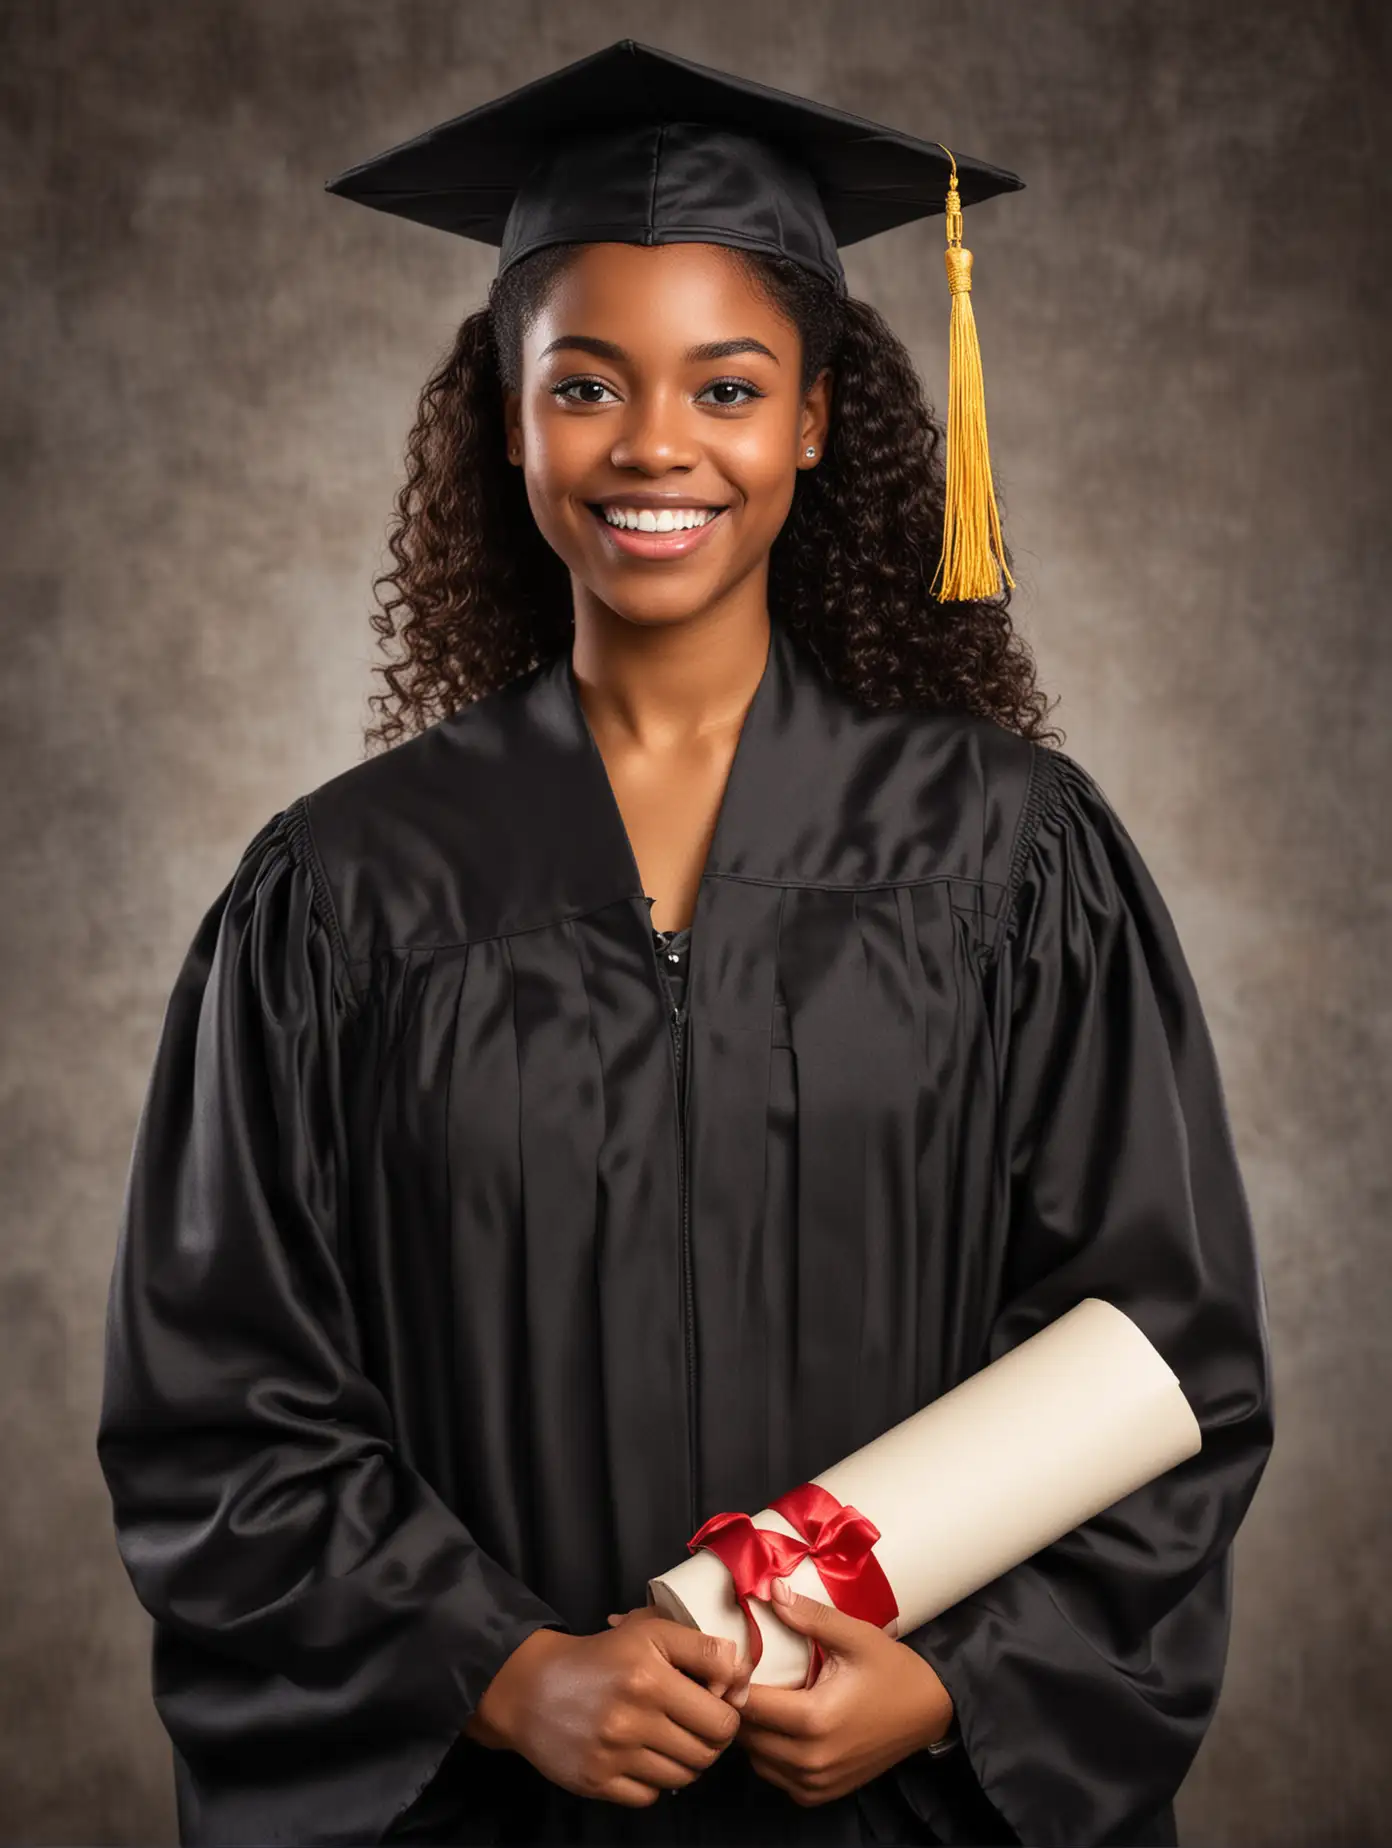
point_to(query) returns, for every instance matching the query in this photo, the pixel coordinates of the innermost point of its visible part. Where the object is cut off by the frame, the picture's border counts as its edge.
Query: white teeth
(669, 520)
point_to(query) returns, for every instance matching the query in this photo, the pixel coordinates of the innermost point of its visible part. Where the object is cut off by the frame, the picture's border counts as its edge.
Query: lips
(636, 544)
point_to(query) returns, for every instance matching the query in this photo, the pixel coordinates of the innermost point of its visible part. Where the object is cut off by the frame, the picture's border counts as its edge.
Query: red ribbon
(836, 1537)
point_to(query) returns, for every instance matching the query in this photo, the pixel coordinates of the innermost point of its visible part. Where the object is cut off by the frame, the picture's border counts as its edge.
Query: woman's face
(657, 386)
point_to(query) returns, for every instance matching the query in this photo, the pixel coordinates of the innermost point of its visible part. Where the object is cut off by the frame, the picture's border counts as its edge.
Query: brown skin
(667, 654)
(616, 1715)
(874, 1702)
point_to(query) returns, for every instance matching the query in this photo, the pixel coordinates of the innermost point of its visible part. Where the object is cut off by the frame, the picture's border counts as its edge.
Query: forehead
(658, 296)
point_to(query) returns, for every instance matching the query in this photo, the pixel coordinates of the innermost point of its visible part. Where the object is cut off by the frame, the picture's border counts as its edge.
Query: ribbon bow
(837, 1538)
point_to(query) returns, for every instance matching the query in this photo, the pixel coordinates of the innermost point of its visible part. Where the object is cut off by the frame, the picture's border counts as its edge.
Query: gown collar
(792, 715)
(501, 818)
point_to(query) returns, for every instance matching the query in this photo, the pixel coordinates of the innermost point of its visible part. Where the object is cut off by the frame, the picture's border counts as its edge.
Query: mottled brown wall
(209, 367)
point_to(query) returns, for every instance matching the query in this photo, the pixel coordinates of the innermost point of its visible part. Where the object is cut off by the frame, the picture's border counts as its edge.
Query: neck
(662, 684)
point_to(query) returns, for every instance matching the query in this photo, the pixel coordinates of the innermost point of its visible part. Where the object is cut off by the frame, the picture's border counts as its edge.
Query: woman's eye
(732, 385)
(570, 390)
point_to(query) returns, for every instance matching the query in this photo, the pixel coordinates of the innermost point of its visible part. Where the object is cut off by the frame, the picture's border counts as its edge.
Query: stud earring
(811, 452)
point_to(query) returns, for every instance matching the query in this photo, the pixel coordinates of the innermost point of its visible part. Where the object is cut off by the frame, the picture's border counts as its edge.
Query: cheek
(561, 452)
(761, 462)
(768, 497)
(561, 457)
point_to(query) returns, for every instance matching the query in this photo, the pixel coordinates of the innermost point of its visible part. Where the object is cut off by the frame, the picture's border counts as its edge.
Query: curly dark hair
(477, 597)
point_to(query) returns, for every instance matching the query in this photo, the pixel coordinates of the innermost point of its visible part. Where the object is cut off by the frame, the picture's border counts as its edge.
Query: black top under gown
(673, 956)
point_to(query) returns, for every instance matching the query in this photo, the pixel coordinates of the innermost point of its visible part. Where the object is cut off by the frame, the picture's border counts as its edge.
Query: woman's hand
(616, 1715)
(874, 1702)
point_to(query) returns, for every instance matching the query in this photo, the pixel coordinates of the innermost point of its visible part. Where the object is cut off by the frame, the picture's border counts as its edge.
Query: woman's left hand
(874, 1702)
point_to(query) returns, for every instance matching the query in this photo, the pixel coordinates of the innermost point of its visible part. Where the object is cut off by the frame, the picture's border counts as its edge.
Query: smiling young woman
(715, 1024)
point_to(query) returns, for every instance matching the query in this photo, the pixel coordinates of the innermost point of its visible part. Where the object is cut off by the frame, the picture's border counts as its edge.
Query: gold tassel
(973, 556)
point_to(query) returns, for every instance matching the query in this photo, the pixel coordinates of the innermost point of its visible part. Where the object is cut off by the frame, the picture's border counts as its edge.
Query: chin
(645, 608)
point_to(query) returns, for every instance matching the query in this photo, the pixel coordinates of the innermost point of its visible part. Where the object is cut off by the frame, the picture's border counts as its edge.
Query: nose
(656, 435)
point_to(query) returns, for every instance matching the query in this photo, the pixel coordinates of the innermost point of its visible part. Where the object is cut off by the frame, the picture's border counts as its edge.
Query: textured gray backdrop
(210, 366)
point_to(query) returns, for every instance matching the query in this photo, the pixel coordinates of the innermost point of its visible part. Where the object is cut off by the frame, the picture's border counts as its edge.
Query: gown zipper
(688, 1280)
(677, 1028)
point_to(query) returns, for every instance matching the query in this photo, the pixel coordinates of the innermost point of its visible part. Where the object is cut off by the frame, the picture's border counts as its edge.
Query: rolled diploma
(1061, 1427)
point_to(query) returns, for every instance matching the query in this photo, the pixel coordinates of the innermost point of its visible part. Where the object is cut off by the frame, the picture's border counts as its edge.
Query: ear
(815, 420)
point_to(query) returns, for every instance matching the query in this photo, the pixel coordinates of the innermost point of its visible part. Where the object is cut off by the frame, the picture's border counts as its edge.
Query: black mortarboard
(633, 145)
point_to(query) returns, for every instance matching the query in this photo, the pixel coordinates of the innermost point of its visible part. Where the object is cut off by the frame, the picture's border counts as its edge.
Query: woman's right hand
(616, 1715)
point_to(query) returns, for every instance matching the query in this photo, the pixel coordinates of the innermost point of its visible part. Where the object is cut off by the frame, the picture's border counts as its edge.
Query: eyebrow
(712, 349)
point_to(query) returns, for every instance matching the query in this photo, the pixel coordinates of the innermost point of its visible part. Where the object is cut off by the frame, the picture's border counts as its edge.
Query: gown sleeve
(323, 1624)
(1085, 1678)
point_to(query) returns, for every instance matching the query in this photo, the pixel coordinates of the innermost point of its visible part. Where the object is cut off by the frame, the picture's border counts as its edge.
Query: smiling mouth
(653, 519)
(653, 532)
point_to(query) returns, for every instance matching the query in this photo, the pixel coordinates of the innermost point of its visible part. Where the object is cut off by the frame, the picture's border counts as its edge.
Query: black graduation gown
(435, 1320)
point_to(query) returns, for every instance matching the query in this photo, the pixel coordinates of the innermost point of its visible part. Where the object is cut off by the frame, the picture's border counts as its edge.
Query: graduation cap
(634, 145)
